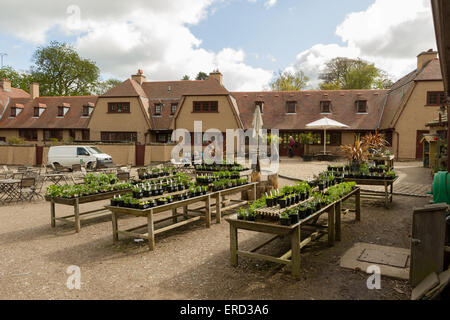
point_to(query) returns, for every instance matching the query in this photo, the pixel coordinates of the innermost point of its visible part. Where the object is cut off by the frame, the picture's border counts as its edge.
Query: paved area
(392, 262)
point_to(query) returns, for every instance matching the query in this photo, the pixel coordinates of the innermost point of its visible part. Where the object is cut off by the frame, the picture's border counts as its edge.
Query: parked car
(88, 156)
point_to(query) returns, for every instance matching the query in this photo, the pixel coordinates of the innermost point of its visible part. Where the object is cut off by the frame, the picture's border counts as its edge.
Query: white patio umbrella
(257, 127)
(325, 124)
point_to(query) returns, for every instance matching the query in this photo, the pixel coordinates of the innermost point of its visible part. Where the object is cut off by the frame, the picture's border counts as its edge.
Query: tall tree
(289, 81)
(18, 79)
(60, 71)
(104, 86)
(201, 76)
(186, 77)
(346, 74)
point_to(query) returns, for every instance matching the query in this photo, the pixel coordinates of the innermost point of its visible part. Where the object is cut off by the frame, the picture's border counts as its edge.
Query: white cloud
(270, 3)
(389, 33)
(124, 36)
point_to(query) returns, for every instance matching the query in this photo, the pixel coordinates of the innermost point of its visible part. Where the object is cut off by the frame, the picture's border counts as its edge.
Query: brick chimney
(217, 75)
(34, 90)
(6, 85)
(139, 77)
(425, 57)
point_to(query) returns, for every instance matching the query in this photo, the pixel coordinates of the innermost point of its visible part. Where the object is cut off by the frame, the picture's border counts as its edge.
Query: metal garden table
(9, 190)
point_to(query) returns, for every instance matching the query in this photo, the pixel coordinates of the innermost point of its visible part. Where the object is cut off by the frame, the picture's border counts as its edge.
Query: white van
(88, 156)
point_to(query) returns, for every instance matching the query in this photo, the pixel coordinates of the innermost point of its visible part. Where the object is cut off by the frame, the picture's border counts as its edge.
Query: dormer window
(85, 111)
(158, 109)
(260, 104)
(173, 108)
(16, 110)
(291, 107)
(62, 110)
(325, 106)
(361, 106)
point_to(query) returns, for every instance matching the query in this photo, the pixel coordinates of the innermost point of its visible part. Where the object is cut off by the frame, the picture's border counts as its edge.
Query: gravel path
(189, 263)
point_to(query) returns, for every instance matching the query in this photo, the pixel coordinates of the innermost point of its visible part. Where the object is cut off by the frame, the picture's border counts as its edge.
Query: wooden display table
(75, 203)
(387, 195)
(219, 196)
(149, 214)
(388, 160)
(292, 257)
(189, 215)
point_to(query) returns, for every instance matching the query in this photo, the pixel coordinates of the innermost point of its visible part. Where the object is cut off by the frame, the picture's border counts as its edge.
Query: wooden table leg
(115, 227)
(151, 231)
(218, 207)
(386, 195)
(234, 245)
(358, 205)
(208, 212)
(174, 214)
(392, 192)
(295, 249)
(331, 227)
(185, 212)
(337, 216)
(52, 214)
(77, 216)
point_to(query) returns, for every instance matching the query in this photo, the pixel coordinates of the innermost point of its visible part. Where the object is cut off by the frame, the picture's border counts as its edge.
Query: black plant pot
(302, 214)
(283, 203)
(294, 218)
(161, 203)
(285, 221)
(250, 218)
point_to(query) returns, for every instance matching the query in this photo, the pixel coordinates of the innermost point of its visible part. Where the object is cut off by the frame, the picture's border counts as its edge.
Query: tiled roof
(176, 89)
(128, 88)
(308, 108)
(5, 96)
(49, 119)
(431, 71)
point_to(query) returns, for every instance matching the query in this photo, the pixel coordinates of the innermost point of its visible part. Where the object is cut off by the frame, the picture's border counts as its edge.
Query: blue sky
(279, 33)
(248, 40)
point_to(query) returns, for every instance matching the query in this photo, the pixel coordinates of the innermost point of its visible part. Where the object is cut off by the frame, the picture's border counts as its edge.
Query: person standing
(291, 147)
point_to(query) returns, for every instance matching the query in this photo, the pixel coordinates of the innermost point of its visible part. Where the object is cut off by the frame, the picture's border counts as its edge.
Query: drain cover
(394, 259)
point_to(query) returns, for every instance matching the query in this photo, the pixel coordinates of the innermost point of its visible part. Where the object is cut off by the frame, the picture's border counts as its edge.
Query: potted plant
(242, 214)
(389, 175)
(302, 211)
(161, 201)
(251, 216)
(283, 202)
(293, 216)
(285, 220)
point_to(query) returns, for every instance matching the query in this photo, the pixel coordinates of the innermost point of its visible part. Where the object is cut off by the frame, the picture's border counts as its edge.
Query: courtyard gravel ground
(191, 262)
